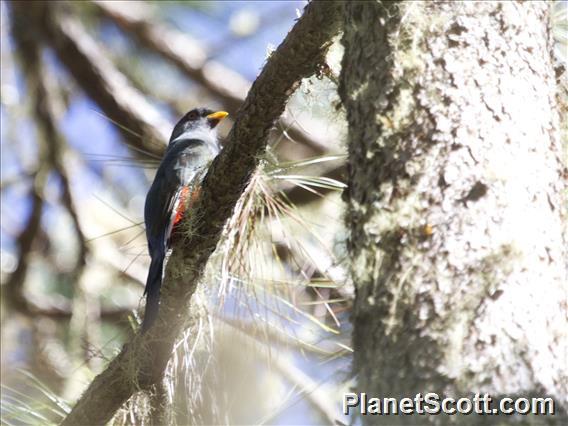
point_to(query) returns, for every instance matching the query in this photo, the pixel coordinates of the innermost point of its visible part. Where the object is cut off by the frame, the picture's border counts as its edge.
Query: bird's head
(199, 123)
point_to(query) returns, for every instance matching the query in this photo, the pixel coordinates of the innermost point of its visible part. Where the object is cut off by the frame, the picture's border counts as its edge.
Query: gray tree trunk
(455, 203)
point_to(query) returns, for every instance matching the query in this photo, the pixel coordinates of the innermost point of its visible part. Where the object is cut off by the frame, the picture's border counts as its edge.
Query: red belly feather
(182, 204)
(186, 199)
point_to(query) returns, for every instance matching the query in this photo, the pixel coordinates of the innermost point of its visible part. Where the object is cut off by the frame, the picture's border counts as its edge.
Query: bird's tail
(152, 291)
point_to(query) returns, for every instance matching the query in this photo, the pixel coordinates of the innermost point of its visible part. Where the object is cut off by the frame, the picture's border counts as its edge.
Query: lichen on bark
(455, 199)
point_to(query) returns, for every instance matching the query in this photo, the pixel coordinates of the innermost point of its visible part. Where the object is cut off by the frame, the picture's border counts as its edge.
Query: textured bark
(142, 361)
(455, 200)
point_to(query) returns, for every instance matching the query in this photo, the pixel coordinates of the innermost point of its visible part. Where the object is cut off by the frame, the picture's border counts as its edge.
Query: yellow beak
(219, 115)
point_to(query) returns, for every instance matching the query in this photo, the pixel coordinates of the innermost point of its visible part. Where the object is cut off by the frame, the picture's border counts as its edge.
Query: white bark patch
(466, 141)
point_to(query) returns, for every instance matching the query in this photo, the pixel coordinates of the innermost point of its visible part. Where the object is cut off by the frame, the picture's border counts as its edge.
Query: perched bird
(192, 146)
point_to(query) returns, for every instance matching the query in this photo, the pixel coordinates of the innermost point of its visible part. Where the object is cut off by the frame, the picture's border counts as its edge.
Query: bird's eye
(192, 115)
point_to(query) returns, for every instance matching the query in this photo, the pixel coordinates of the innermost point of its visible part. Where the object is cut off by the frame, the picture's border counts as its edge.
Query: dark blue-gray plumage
(192, 146)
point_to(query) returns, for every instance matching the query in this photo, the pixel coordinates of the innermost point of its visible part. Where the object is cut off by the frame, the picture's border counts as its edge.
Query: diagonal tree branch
(142, 361)
(225, 84)
(191, 59)
(122, 103)
(181, 50)
(141, 125)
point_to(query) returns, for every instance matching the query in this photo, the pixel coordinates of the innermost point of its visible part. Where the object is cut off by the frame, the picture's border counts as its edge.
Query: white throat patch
(208, 136)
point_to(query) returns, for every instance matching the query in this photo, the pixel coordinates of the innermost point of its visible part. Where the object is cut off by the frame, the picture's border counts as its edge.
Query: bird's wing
(171, 189)
(157, 211)
(176, 209)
